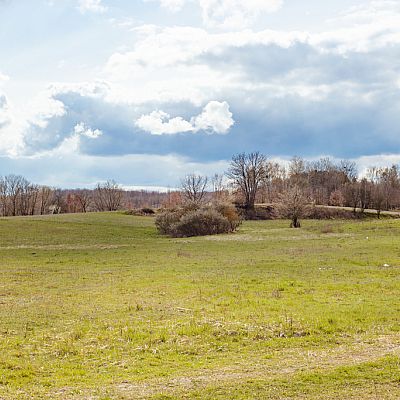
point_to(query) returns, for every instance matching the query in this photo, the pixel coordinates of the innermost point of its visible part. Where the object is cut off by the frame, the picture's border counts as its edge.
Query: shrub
(192, 221)
(230, 212)
(146, 211)
(166, 221)
(201, 223)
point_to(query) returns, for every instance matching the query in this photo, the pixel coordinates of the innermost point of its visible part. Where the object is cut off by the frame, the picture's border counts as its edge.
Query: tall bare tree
(14, 187)
(28, 198)
(247, 172)
(45, 199)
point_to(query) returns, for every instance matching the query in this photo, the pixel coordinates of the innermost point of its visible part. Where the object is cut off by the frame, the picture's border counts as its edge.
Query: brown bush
(230, 212)
(189, 221)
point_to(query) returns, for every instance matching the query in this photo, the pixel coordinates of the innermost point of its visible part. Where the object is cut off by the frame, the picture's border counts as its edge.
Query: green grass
(100, 306)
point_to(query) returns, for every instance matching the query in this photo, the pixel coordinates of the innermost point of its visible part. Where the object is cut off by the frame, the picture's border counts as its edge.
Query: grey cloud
(303, 63)
(288, 125)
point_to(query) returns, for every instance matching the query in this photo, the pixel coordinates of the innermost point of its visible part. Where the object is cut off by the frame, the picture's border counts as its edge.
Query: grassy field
(100, 306)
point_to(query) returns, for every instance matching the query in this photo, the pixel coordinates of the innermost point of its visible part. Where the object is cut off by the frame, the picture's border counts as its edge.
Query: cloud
(231, 14)
(172, 5)
(159, 123)
(3, 78)
(235, 14)
(95, 6)
(215, 118)
(289, 92)
(83, 130)
(4, 116)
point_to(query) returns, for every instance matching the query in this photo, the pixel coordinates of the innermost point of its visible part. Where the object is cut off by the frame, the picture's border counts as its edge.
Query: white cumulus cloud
(215, 118)
(159, 123)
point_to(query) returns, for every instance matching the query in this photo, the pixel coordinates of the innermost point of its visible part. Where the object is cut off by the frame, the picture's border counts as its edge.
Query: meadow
(100, 306)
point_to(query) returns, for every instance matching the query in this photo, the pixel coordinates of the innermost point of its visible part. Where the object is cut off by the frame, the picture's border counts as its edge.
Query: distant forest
(251, 179)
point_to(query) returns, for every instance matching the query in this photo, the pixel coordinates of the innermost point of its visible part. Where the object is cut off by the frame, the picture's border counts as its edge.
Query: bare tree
(45, 199)
(293, 204)
(378, 198)
(84, 199)
(390, 181)
(365, 190)
(352, 194)
(219, 188)
(108, 196)
(193, 188)
(247, 172)
(14, 185)
(349, 169)
(275, 181)
(3, 196)
(59, 202)
(298, 171)
(28, 198)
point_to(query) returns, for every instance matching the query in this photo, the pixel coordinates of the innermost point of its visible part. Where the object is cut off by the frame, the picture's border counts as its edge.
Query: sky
(147, 91)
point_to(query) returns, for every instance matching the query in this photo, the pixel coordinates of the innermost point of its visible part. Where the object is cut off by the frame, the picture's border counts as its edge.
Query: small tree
(108, 196)
(336, 198)
(194, 188)
(293, 205)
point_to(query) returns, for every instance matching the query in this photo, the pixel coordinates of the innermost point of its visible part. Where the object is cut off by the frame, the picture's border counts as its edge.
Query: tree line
(251, 178)
(19, 197)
